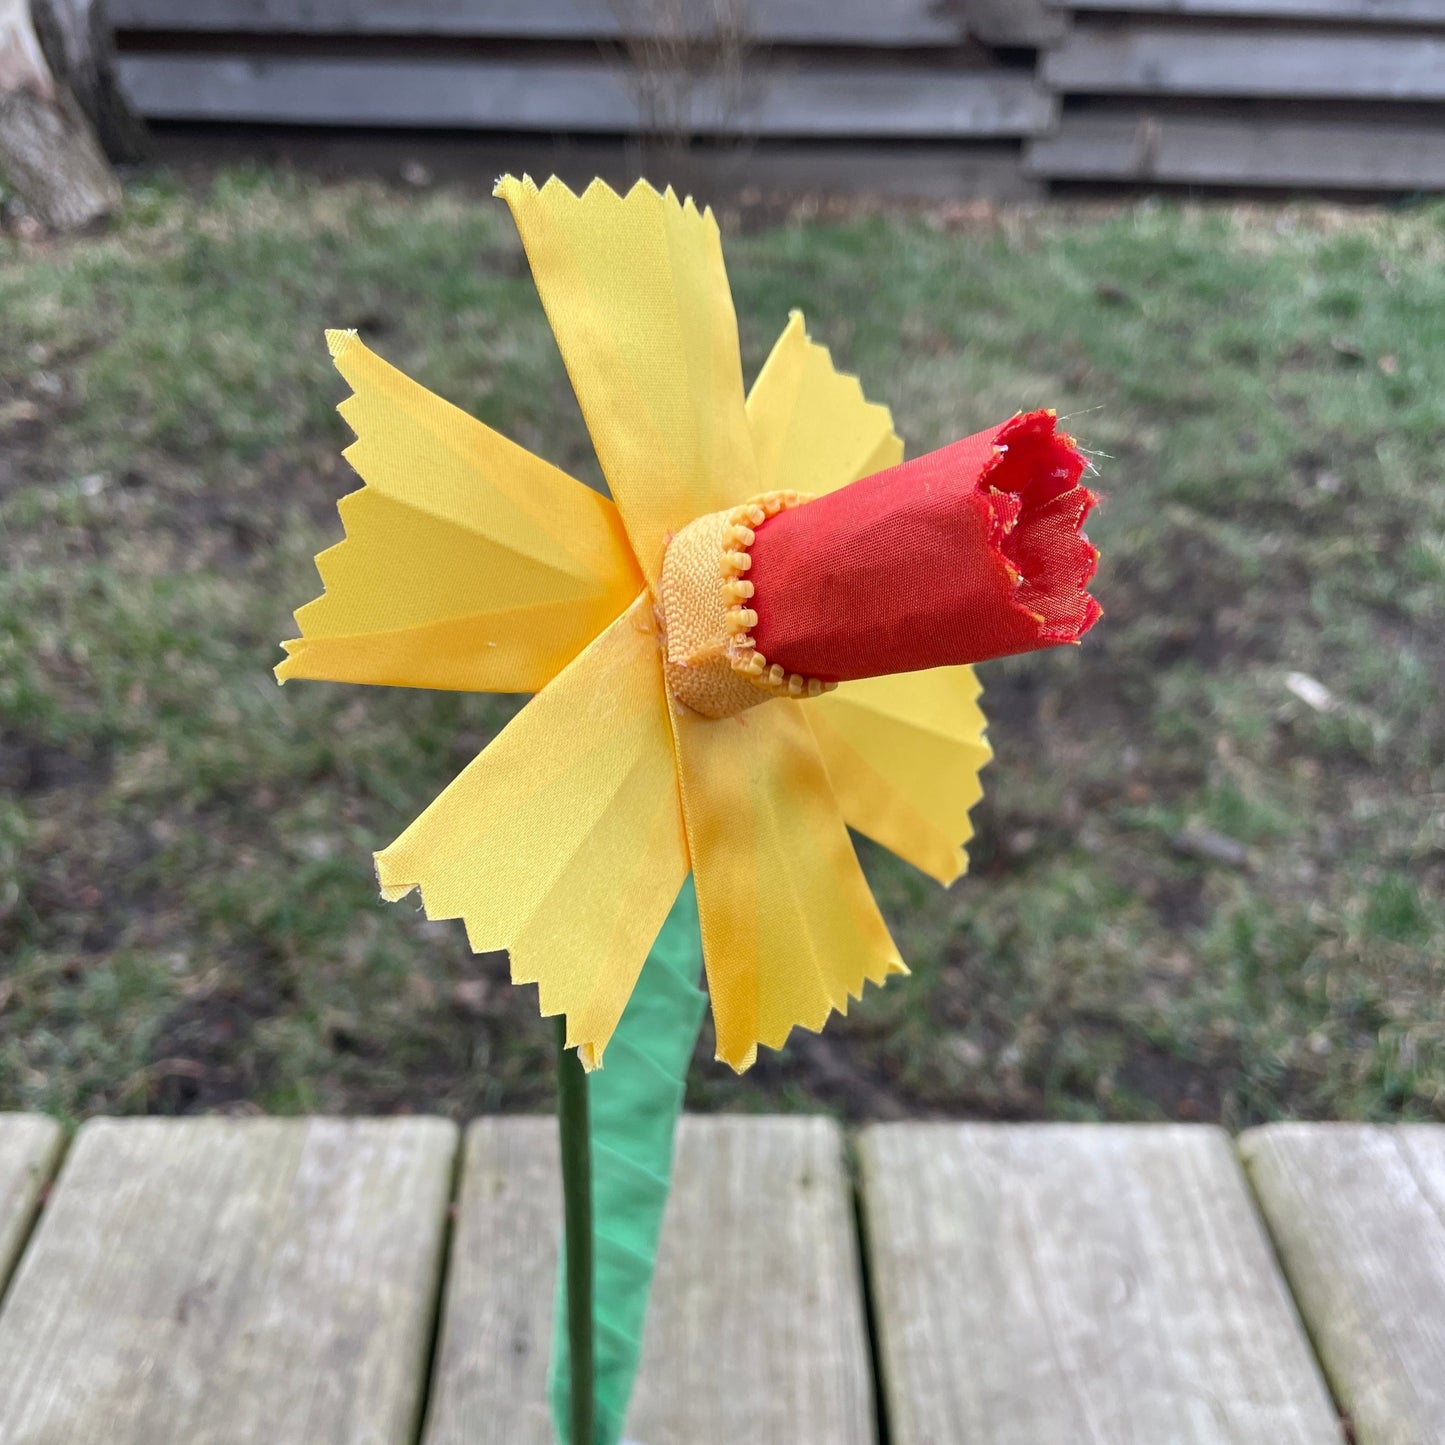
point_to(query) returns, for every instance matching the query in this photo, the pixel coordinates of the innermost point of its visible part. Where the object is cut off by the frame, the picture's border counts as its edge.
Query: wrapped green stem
(634, 1102)
(576, 1144)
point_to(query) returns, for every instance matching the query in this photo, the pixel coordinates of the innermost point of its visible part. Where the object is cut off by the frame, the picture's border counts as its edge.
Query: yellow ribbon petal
(904, 755)
(563, 841)
(638, 299)
(789, 927)
(813, 430)
(468, 562)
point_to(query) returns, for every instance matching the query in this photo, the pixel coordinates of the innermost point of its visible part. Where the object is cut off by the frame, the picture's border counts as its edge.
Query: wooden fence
(933, 97)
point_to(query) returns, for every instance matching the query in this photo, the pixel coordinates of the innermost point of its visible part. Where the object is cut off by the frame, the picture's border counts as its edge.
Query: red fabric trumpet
(974, 551)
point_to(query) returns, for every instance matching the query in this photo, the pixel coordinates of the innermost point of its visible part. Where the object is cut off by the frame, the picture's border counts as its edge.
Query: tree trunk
(47, 149)
(79, 46)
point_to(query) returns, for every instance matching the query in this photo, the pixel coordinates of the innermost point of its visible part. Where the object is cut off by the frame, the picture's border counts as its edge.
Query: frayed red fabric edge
(1008, 507)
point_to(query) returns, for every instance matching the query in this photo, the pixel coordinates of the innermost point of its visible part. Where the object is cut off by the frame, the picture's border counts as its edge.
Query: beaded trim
(742, 524)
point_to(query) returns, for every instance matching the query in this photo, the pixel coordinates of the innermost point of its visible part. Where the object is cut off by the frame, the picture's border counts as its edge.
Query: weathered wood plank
(1016, 22)
(1079, 1283)
(222, 1282)
(1363, 12)
(1358, 1216)
(1139, 59)
(1204, 150)
(837, 22)
(30, 1147)
(876, 101)
(756, 1330)
(952, 172)
(955, 170)
(489, 1386)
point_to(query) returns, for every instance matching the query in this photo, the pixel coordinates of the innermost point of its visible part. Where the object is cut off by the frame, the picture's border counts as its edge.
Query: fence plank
(756, 1331)
(837, 22)
(29, 1151)
(1205, 150)
(227, 1281)
(874, 101)
(1360, 12)
(1016, 22)
(712, 174)
(1136, 59)
(1079, 1283)
(1358, 1215)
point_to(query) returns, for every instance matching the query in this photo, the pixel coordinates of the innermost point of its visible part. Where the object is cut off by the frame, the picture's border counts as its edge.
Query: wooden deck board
(30, 1147)
(489, 1385)
(1358, 1216)
(1079, 1283)
(222, 1282)
(756, 1330)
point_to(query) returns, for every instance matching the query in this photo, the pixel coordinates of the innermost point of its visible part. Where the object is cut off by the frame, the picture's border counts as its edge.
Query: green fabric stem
(634, 1103)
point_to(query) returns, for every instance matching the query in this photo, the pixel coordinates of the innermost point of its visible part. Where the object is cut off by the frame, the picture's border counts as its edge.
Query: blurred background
(1208, 881)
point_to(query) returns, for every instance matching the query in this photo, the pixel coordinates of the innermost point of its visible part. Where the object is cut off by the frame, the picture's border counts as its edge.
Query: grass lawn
(1209, 878)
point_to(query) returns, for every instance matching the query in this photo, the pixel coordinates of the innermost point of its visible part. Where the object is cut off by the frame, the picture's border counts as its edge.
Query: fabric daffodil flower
(761, 640)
